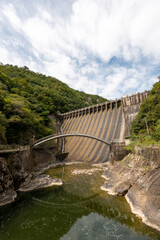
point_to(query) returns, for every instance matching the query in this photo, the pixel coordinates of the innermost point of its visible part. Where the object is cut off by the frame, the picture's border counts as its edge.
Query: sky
(105, 47)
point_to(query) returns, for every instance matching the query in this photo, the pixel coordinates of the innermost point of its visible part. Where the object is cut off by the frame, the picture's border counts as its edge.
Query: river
(77, 210)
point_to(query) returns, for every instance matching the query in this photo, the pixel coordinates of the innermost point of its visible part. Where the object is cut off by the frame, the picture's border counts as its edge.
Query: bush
(149, 110)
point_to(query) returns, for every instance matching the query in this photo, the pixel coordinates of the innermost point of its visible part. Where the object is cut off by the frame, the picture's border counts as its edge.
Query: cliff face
(6, 179)
(138, 179)
(12, 174)
(24, 167)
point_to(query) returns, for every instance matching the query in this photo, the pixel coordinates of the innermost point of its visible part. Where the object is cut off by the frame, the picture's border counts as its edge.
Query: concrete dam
(109, 121)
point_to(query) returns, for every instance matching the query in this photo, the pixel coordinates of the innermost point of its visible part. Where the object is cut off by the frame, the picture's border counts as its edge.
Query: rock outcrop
(39, 182)
(6, 179)
(12, 174)
(144, 198)
(139, 180)
(13, 177)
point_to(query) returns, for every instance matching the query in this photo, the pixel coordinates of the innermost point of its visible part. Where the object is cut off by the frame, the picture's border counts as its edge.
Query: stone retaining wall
(118, 151)
(150, 153)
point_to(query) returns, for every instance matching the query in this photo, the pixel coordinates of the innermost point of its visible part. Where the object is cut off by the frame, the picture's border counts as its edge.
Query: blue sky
(105, 47)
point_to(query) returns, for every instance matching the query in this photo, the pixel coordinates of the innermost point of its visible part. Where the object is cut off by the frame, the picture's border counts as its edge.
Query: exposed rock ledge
(39, 182)
(14, 178)
(7, 197)
(139, 180)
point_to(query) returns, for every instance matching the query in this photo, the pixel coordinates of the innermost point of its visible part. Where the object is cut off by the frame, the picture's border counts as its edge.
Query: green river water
(77, 210)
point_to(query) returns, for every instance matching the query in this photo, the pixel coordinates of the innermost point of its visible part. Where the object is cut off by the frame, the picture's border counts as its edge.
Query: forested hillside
(148, 116)
(28, 98)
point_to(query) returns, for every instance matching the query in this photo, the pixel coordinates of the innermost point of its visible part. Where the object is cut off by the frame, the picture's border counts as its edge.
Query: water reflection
(78, 209)
(97, 227)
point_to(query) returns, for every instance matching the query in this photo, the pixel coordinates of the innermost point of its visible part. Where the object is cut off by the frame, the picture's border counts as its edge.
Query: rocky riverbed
(137, 179)
(13, 178)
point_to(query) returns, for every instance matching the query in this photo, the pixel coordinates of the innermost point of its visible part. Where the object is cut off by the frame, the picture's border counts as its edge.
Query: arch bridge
(52, 137)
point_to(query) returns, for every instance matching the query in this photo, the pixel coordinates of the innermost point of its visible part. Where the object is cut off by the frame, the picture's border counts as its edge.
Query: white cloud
(45, 15)
(4, 55)
(9, 12)
(38, 32)
(75, 44)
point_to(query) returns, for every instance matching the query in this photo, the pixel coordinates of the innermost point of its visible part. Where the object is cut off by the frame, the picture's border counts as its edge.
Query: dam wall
(131, 107)
(105, 124)
(109, 121)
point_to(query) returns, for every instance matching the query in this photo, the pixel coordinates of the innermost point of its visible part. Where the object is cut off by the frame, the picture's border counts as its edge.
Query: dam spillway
(105, 124)
(109, 121)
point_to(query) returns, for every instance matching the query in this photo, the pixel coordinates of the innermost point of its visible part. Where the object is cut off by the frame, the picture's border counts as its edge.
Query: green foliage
(26, 100)
(149, 110)
(156, 133)
(3, 125)
(130, 147)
